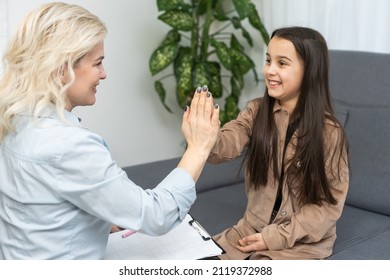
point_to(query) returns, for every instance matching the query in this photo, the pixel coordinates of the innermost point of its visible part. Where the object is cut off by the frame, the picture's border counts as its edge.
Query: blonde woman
(60, 190)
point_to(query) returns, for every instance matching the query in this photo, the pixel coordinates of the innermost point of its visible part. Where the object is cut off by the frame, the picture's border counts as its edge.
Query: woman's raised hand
(200, 127)
(200, 124)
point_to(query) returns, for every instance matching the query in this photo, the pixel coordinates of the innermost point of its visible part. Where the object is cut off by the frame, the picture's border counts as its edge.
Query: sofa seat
(365, 235)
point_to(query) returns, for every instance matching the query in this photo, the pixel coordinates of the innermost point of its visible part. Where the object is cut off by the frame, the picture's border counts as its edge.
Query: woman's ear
(64, 74)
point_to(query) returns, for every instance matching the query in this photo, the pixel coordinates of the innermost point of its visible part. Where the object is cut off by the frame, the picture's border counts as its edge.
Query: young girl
(297, 172)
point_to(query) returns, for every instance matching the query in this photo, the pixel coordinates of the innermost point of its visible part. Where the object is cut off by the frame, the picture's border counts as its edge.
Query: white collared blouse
(60, 191)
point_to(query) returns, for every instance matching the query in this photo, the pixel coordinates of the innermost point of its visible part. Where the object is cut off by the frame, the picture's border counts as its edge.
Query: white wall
(359, 25)
(3, 28)
(128, 113)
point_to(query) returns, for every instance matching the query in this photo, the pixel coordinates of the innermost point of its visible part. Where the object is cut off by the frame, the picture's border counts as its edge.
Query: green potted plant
(203, 47)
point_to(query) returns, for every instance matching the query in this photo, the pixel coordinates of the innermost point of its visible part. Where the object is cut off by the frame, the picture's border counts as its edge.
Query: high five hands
(200, 124)
(200, 127)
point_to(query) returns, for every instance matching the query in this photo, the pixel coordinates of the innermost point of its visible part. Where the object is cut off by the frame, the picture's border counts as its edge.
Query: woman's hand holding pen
(115, 228)
(200, 127)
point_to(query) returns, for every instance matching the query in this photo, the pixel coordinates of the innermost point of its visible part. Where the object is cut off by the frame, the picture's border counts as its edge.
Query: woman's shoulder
(52, 138)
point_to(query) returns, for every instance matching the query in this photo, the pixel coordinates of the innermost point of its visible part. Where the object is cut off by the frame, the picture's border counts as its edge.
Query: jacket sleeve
(234, 136)
(313, 223)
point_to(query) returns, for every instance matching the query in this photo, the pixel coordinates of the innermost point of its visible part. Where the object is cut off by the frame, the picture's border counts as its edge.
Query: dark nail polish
(216, 106)
(205, 88)
(199, 89)
(208, 94)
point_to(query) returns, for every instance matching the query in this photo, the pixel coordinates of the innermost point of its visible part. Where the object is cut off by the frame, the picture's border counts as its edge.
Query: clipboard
(187, 241)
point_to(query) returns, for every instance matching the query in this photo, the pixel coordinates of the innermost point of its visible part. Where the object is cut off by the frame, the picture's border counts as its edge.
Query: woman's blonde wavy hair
(54, 37)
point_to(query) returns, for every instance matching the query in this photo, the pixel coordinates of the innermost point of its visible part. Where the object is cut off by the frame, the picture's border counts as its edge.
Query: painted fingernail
(205, 88)
(208, 94)
(216, 106)
(199, 89)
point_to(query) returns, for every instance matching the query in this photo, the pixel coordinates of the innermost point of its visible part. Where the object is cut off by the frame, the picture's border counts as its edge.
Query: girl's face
(283, 72)
(88, 73)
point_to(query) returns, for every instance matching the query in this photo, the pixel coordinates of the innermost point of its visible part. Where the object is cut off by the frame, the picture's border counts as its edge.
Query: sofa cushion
(220, 175)
(360, 78)
(368, 131)
(362, 234)
(360, 91)
(220, 208)
(214, 176)
(149, 175)
(375, 248)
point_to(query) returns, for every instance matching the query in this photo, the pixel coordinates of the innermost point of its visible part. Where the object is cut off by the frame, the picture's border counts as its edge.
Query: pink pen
(128, 233)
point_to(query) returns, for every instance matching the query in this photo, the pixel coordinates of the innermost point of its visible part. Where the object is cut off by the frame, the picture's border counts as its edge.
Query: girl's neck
(288, 106)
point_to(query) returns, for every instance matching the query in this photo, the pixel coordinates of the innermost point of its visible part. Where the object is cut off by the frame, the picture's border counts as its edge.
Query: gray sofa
(360, 85)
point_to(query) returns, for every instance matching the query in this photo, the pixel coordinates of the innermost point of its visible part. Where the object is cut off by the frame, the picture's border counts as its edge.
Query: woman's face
(283, 72)
(88, 73)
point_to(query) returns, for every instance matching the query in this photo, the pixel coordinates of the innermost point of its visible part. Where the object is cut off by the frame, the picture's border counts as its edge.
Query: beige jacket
(298, 231)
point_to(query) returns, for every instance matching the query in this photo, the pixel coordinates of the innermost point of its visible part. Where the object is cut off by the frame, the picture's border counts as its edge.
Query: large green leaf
(184, 91)
(238, 76)
(215, 78)
(247, 36)
(162, 57)
(179, 20)
(255, 21)
(242, 7)
(201, 75)
(172, 36)
(158, 86)
(235, 88)
(231, 108)
(219, 12)
(168, 5)
(183, 62)
(235, 43)
(237, 24)
(222, 51)
(241, 60)
(202, 6)
(222, 117)
(183, 72)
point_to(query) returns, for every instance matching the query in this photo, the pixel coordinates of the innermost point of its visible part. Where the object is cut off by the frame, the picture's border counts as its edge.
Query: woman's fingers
(201, 120)
(198, 102)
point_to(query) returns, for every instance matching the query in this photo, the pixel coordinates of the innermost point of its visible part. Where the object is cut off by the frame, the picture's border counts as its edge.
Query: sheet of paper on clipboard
(187, 241)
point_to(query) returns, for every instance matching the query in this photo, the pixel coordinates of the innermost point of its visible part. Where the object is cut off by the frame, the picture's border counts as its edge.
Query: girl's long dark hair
(313, 106)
